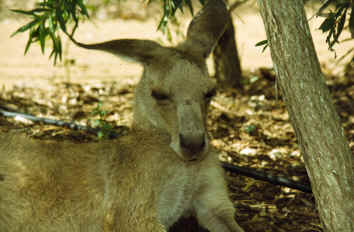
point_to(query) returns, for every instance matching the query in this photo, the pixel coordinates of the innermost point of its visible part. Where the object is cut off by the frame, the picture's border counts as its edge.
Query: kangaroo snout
(192, 135)
(193, 143)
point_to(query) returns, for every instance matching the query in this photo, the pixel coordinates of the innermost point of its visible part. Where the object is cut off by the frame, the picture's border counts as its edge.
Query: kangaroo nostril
(193, 143)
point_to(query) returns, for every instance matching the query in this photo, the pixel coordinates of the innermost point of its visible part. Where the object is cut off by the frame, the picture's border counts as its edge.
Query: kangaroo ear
(206, 28)
(138, 50)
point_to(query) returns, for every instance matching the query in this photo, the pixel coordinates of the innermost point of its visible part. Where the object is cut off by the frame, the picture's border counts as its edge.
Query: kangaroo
(163, 169)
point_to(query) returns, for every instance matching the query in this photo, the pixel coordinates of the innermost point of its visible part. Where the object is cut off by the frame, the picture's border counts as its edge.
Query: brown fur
(145, 181)
(131, 183)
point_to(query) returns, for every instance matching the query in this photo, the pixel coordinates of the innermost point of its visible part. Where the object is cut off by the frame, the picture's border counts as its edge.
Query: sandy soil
(35, 69)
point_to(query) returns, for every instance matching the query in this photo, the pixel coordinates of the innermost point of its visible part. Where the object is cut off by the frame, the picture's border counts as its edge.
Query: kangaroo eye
(210, 94)
(159, 95)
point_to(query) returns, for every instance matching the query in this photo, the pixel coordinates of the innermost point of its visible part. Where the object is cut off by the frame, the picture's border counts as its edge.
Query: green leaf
(26, 27)
(260, 43)
(254, 79)
(61, 20)
(107, 126)
(340, 10)
(163, 23)
(41, 9)
(328, 39)
(26, 12)
(52, 36)
(250, 128)
(60, 51)
(83, 8)
(57, 47)
(264, 48)
(28, 45)
(35, 34)
(103, 113)
(43, 4)
(52, 26)
(100, 134)
(324, 6)
(42, 36)
(73, 14)
(54, 49)
(29, 41)
(30, 12)
(263, 43)
(341, 24)
(55, 58)
(52, 53)
(328, 23)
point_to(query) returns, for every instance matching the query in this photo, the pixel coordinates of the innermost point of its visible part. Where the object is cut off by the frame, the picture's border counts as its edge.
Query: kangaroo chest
(176, 198)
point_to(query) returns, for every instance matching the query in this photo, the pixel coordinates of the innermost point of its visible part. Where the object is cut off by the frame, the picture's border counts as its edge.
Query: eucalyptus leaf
(328, 23)
(29, 41)
(324, 6)
(52, 26)
(26, 27)
(26, 12)
(61, 20)
(260, 43)
(42, 36)
(264, 48)
(263, 43)
(339, 10)
(60, 51)
(52, 53)
(341, 24)
(83, 8)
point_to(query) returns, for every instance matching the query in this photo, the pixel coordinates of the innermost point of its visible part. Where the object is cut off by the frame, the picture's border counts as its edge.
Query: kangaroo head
(174, 92)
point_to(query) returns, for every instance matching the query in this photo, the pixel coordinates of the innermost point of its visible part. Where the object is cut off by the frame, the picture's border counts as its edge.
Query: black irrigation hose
(48, 121)
(259, 175)
(60, 123)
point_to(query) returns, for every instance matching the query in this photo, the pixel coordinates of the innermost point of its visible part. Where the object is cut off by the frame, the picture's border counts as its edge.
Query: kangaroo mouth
(187, 155)
(193, 157)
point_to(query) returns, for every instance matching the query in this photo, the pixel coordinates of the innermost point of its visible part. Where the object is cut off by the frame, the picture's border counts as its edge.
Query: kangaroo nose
(193, 143)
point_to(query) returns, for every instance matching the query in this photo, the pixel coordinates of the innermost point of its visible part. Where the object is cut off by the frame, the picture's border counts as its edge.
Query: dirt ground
(250, 127)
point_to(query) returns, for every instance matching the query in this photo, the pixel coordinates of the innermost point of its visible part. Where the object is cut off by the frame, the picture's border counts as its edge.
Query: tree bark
(328, 159)
(226, 59)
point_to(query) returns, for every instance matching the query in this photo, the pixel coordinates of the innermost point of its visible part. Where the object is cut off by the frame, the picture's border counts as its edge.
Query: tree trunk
(328, 159)
(226, 60)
